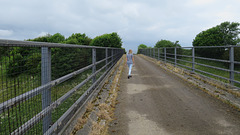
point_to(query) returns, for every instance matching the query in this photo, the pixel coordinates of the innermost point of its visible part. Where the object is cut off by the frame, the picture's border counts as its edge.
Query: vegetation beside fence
(21, 73)
(219, 69)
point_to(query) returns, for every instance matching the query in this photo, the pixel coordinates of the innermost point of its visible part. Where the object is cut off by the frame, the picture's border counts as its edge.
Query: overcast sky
(136, 21)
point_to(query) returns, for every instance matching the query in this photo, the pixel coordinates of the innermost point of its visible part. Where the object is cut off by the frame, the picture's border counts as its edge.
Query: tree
(107, 40)
(64, 60)
(15, 66)
(79, 39)
(166, 43)
(41, 39)
(56, 38)
(67, 60)
(230, 32)
(141, 46)
(221, 35)
(35, 53)
(4, 51)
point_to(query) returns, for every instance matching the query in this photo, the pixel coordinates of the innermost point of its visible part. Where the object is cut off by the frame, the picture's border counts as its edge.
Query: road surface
(155, 102)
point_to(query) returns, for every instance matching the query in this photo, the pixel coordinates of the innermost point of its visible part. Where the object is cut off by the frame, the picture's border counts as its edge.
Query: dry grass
(83, 119)
(103, 106)
(89, 106)
(104, 115)
(81, 122)
(113, 100)
(105, 112)
(97, 129)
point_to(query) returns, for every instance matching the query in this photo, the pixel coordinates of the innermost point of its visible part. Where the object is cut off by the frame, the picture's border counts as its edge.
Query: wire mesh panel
(65, 61)
(161, 53)
(109, 59)
(213, 62)
(218, 62)
(170, 55)
(100, 56)
(42, 85)
(154, 53)
(184, 57)
(237, 65)
(20, 72)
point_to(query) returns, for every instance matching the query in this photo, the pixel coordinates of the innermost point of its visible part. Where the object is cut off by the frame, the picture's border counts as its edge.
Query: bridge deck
(156, 102)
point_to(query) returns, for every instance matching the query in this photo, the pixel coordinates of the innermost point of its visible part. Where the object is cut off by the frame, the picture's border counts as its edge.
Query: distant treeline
(65, 60)
(226, 33)
(105, 40)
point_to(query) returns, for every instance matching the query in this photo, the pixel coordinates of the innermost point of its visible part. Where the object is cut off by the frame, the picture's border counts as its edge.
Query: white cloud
(200, 2)
(131, 10)
(42, 34)
(5, 33)
(155, 27)
(136, 21)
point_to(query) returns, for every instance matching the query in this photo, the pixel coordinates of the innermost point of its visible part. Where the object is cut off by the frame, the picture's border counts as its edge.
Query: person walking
(130, 62)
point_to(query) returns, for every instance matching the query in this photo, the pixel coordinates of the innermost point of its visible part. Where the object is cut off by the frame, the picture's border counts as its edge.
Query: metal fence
(42, 85)
(218, 62)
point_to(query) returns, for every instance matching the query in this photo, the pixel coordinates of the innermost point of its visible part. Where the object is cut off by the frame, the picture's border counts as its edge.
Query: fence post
(46, 78)
(158, 54)
(175, 56)
(231, 65)
(112, 57)
(154, 53)
(106, 55)
(94, 64)
(193, 59)
(150, 52)
(165, 55)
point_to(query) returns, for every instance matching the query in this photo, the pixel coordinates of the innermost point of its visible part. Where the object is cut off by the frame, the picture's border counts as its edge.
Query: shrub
(15, 65)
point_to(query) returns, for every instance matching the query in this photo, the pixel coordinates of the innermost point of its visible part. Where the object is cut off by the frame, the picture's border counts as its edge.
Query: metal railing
(42, 84)
(218, 62)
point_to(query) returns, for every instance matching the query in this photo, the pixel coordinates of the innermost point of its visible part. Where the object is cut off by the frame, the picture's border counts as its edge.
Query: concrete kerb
(220, 90)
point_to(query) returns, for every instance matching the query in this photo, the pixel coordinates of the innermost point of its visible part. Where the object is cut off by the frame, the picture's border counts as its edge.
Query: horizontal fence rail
(44, 84)
(218, 62)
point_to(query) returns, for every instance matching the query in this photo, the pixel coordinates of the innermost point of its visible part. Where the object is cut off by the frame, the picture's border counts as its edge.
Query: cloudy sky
(136, 21)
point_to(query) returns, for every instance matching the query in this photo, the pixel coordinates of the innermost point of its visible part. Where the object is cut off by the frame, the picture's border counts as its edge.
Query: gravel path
(155, 102)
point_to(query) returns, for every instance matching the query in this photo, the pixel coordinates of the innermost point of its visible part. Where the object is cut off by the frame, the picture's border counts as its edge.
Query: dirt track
(155, 102)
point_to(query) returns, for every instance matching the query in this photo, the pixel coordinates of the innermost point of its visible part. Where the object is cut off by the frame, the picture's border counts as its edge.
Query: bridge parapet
(218, 62)
(43, 84)
(224, 91)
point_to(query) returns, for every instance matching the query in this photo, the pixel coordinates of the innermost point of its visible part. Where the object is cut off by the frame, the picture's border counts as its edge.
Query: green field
(218, 72)
(11, 87)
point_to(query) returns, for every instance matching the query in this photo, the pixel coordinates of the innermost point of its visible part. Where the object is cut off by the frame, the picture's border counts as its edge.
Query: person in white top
(130, 62)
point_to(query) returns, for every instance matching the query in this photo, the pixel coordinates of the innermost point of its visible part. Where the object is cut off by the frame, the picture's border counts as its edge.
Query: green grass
(211, 70)
(12, 118)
